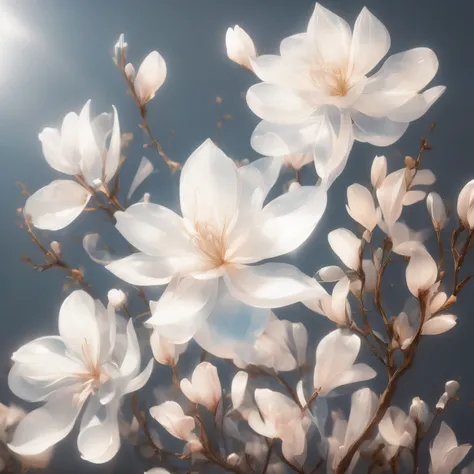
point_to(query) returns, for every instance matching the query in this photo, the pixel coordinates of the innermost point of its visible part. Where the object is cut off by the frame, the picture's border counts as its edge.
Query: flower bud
(451, 388)
(56, 248)
(465, 206)
(120, 51)
(437, 211)
(443, 400)
(378, 171)
(117, 298)
(420, 412)
(171, 416)
(204, 387)
(233, 459)
(240, 47)
(146, 198)
(294, 186)
(164, 351)
(150, 77)
(410, 162)
(130, 71)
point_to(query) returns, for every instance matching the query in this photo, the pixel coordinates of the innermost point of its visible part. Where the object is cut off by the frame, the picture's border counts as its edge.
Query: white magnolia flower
(444, 451)
(204, 387)
(240, 47)
(450, 389)
(215, 294)
(149, 78)
(420, 414)
(171, 416)
(164, 351)
(465, 205)
(378, 171)
(335, 357)
(91, 365)
(317, 89)
(280, 417)
(79, 149)
(397, 429)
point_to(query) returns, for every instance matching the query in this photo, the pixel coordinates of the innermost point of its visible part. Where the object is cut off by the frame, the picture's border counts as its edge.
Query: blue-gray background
(58, 55)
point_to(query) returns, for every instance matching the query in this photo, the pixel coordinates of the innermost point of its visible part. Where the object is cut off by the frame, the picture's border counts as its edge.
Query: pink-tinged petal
(145, 169)
(370, 43)
(270, 285)
(259, 426)
(131, 362)
(150, 77)
(183, 308)
(364, 403)
(45, 426)
(346, 246)
(464, 204)
(78, 325)
(240, 46)
(209, 188)
(390, 197)
(378, 171)
(437, 210)
(421, 272)
(277, 104)
(69, 143)
(412, 197)
(143, 270)
(361, 206)
(396, 428)
(417, 106)
(171, 416)
(340, 309)
(378, 131)
(56, 205)
(423, 178)
(438, 325)
(205, 387)
(330, 34)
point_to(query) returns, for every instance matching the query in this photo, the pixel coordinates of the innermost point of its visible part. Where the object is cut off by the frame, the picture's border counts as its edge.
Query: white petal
(364, 402)
(437, 210)
(438, 325)
(331, 274)
(390, 197)
(140, 380)
(423, 178)
(102, 256)
(154, 230)
(346, 246)
(171, 416)
(464, 202)
(370, 42)
(300, 339)
(330, 34)
(239, 45)
(412, 197)
(276, 104)
(417, 106)
(78, 325)
(239, 384)
(57, 158)
(45, 426)
(209, 187)
(142, 270)
(257, 424)
(421, 271)
(99, 439)
(145, 168)
(112, 158)
(378, 131)
(131, 362)
(455, 456)
(357, 373)
(183, 308)
(394, 424)
(56, 205)
(335, 354)
(150, 76)
(361, 206)
(270, 285)
(339, 304)
(378, 172)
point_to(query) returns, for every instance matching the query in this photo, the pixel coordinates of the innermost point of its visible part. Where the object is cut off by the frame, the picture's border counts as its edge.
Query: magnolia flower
(170, 415)
(150, 76)
(361, 207)
(397, 429)
(335, 357)
(404, 329)
(214, 294)
(120, 50)
(378, 171)
(437, 211)
(466, 205)
(420, 414)
(164, 351)
(204, 387)
(240, 47)
(280, 417)
(450, 389)
(90, 364)
(117, 298)
(444, 451)
(364, 403)
(318, 88)
(80, 150)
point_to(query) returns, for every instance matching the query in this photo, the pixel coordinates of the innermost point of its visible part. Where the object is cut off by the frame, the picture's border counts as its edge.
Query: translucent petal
(421, 271)
(378, 131)
(150, 76)
(439, 325)
(346, 246)
(361, 206)
(417, 106)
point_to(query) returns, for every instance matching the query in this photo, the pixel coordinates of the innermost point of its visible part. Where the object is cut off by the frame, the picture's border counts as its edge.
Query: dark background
(59, 55)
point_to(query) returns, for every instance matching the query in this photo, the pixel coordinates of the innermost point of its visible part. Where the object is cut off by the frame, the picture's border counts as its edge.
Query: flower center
(331, 78)
(210, 243)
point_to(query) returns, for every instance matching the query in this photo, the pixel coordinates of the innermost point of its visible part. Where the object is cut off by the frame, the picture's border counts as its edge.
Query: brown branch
(459, 260)
(268, 457)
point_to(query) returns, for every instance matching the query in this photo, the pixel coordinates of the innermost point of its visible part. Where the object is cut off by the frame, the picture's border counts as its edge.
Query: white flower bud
(240, 47)
(451, 388)
(164, 351)
(420, 412)
(294, 186)
(117, 298)
(56, 248)
(150, 77)
(465, 205)
(130, 71)
(378, 171)
(442, 401)
(437, 210)
(233, 459)
(120, 51)
(146, 198)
